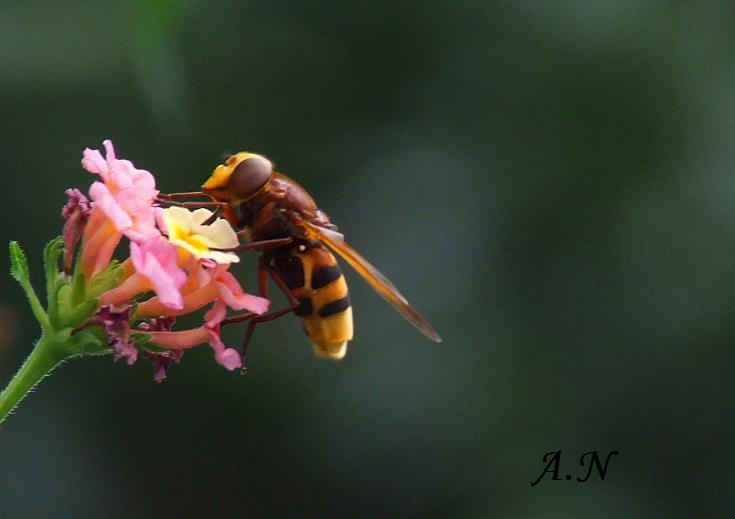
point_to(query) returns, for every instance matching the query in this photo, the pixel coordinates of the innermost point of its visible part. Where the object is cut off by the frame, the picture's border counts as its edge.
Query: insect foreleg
(261, 245)
(183, 196)
(193, 205)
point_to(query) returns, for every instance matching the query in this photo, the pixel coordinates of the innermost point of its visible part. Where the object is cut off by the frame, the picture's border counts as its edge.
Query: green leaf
(107, 279)
(89, 342)
(54, 249)
(78, 290)
(82, 312)
(19, 270)
(54, 283)
(69, 314)
(58, 295)
(18, 263)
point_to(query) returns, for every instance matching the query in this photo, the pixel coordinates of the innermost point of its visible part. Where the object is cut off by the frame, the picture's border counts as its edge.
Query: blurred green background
(551, 183)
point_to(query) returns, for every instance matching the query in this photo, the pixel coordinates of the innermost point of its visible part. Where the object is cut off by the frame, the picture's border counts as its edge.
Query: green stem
(46, 355)
(36, 306)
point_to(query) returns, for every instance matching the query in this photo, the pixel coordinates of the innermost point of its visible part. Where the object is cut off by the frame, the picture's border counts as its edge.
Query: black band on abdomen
(335, 307)
(324, 275)
(305, 307)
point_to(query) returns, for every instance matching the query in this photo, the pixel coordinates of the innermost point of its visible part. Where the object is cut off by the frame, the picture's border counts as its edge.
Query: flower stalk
(57, 343)
(46, 355)
(48, 352)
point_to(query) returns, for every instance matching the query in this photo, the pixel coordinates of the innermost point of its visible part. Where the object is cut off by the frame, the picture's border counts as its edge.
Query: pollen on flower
(186, 229)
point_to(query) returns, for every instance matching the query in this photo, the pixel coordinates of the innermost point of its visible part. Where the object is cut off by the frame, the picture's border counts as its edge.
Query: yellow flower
(185, 229)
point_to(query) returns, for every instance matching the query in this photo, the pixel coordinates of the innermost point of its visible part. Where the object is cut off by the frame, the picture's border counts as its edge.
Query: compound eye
(249, 176)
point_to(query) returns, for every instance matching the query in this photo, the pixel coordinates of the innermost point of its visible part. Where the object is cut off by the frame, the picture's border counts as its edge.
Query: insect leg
(262, 279)
(215, 214)
(261, 245)
(238, 318)
(263, 271)
(193, 205)
(190, 194)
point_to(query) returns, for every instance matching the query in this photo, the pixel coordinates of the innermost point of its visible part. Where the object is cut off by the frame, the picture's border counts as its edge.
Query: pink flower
(227, 357)
(123, 204)
(232, 293)
(132, 215)
(156, 259)
(126, 194)
(206, 284)
(209, 332)
(99, 240)
(119, 174)
(156, 268)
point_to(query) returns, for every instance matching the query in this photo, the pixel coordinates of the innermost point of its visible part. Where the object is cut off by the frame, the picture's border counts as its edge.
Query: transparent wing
(373, 276)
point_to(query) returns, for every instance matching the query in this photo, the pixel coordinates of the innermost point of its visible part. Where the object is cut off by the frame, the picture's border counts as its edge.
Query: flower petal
(181, 340)
(216, 314)
(156, 259)
(185, 229)
(109, 149)
(104, 199)
(232, 294)
(142, 214)
(125, 194)
(227, 357)
(93, 162)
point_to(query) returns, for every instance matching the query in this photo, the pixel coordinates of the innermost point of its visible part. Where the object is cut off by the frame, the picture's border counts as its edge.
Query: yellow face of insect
(219, 183)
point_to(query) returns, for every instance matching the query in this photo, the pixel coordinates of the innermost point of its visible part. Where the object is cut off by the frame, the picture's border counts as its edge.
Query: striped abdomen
(316, 280)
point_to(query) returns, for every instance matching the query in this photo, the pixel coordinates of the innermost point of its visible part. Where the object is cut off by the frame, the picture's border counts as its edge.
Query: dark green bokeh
(550, 182)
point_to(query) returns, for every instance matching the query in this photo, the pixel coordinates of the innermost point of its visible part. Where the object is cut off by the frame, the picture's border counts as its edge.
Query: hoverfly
(281, 221)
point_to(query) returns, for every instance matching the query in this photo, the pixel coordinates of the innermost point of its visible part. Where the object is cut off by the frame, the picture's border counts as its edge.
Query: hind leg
(265, 270)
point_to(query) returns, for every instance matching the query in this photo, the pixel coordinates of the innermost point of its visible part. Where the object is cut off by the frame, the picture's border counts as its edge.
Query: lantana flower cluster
(178, 263)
